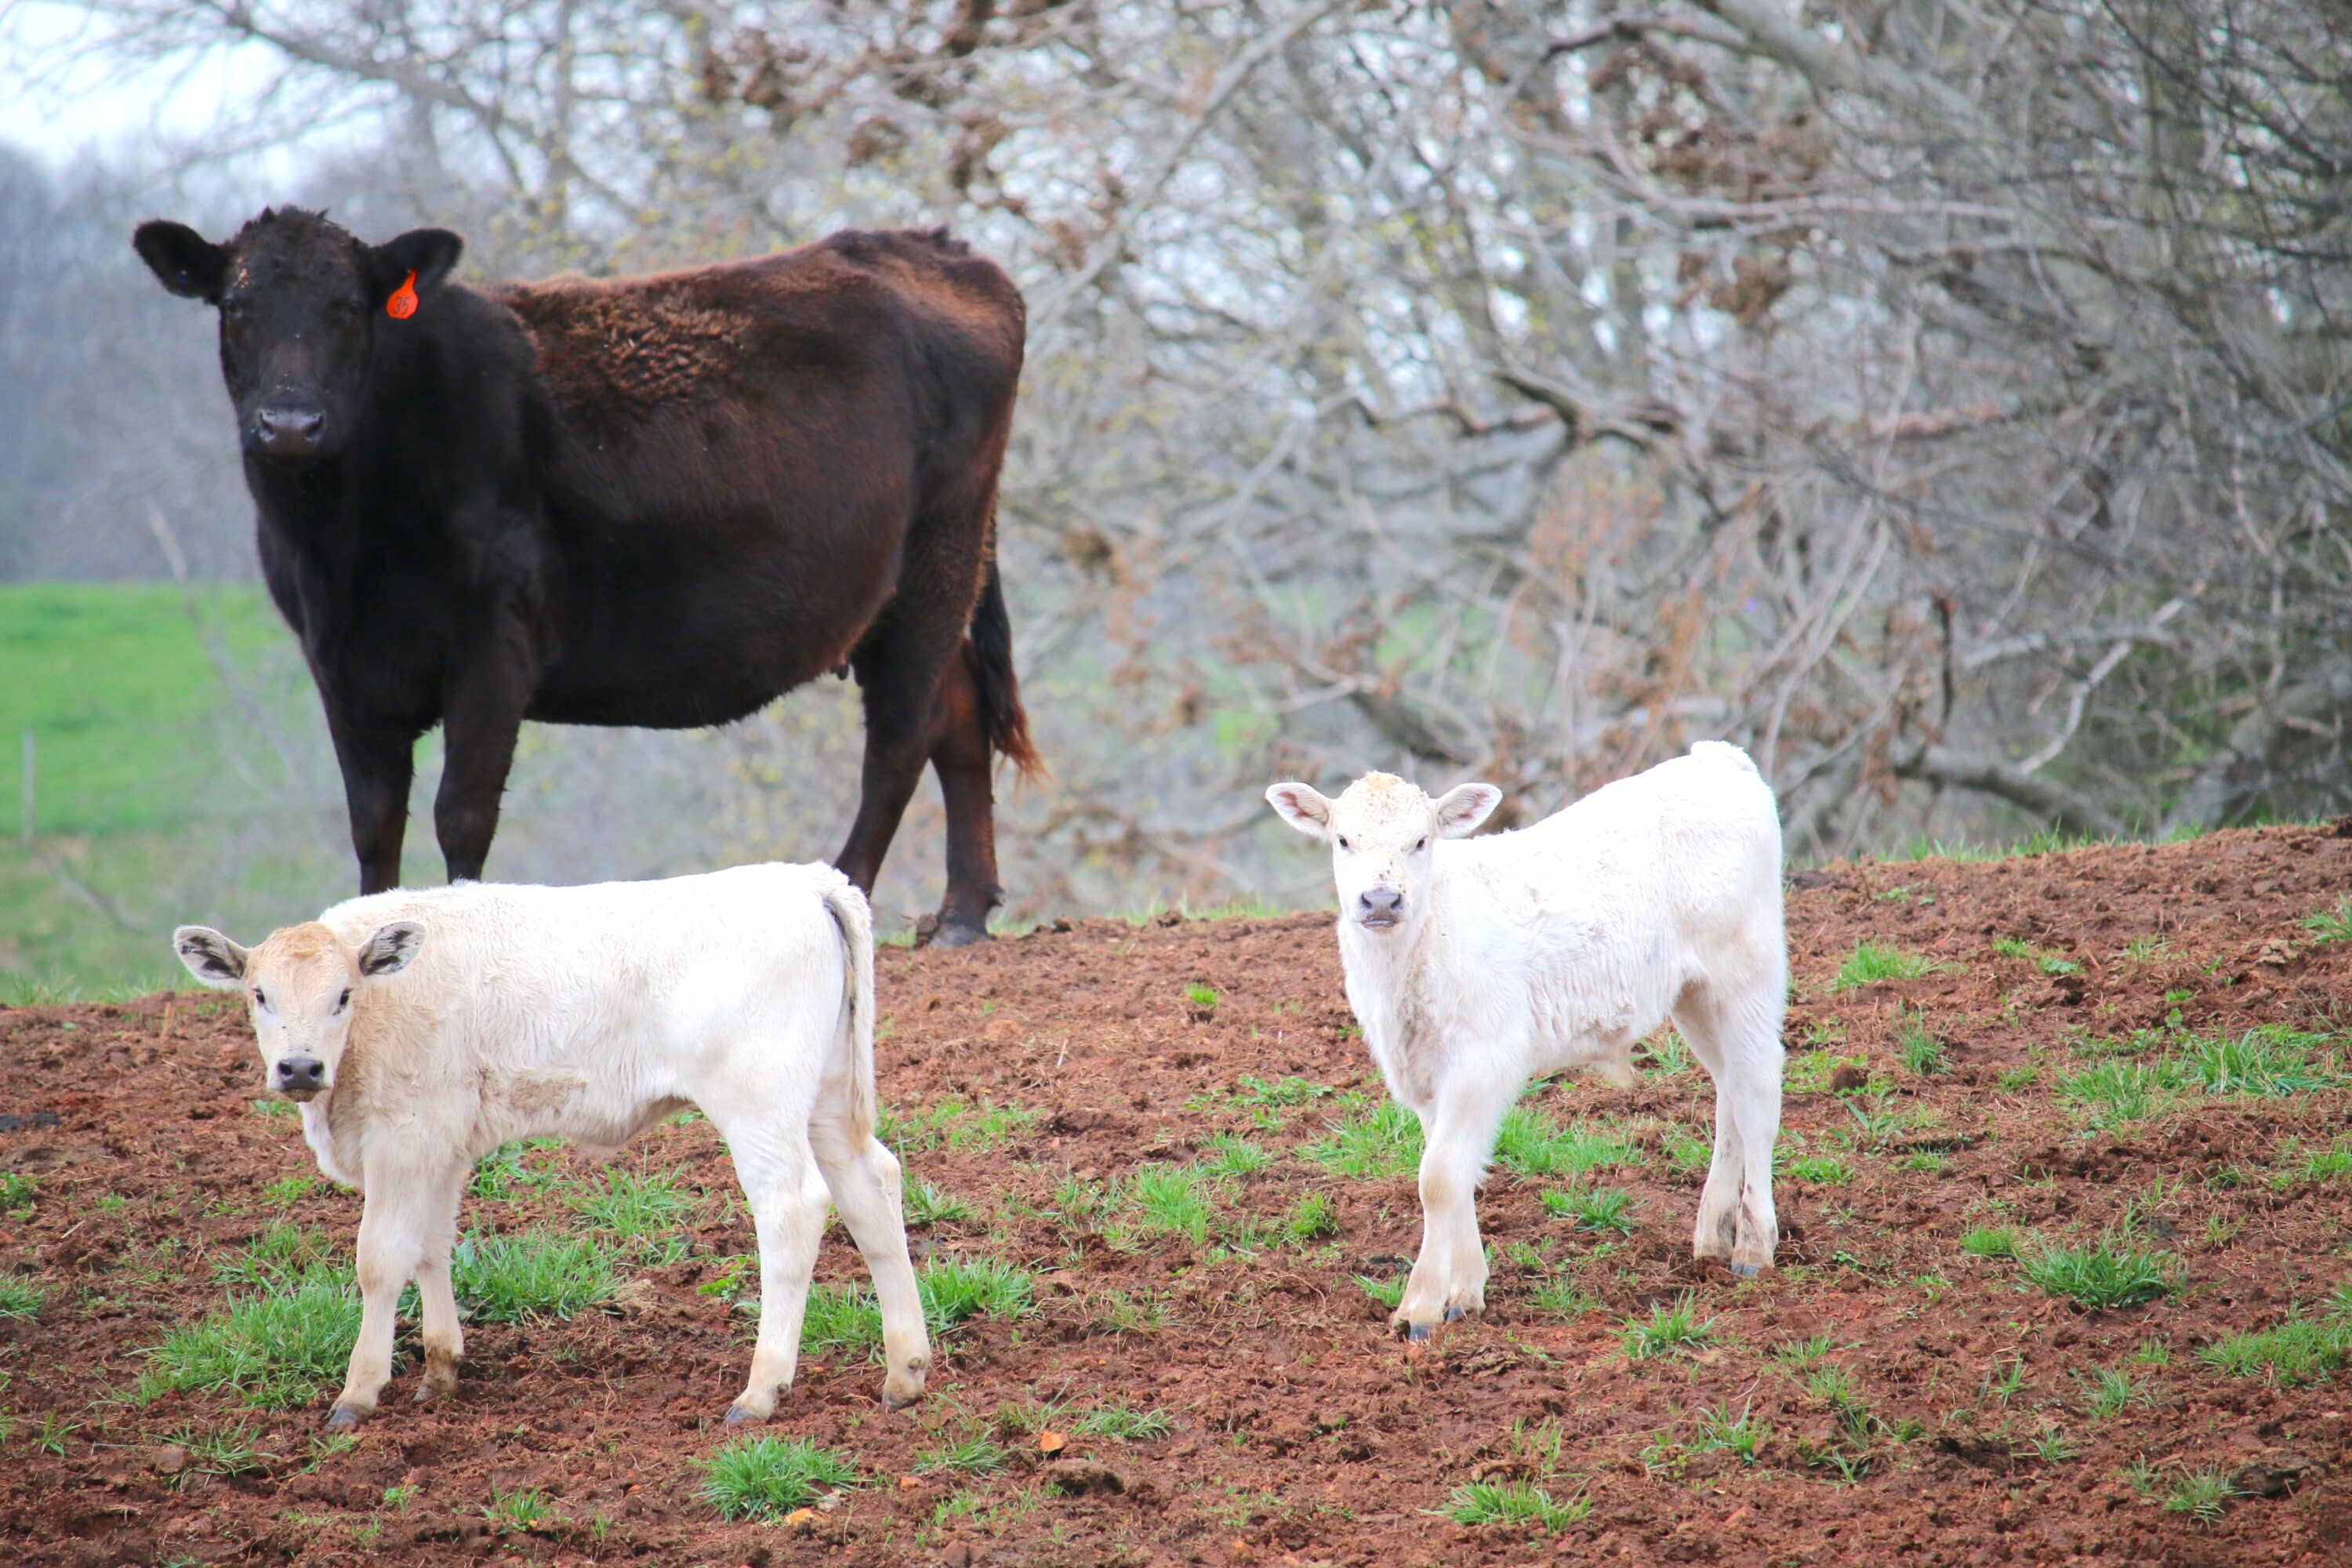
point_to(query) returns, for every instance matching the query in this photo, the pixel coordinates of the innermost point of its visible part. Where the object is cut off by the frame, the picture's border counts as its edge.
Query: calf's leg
(395, 1222)
(1718, 1202)
(772, 1156)
(863, 1176)
(444, 1337)
(1449, 1277)
(1737, 1040)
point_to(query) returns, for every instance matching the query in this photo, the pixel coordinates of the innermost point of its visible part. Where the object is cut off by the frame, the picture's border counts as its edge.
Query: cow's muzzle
(1380, 909)
(288, 433)
(300, 1078)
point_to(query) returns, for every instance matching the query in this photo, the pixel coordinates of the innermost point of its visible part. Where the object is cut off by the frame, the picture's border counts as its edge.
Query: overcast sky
(59, 98)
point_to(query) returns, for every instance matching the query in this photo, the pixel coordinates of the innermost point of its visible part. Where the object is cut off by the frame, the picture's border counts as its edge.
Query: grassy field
(155, 712)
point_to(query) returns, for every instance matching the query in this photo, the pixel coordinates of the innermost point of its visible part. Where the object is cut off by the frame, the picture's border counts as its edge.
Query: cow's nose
(286, 431)
(297, 1075)
(1384, 904)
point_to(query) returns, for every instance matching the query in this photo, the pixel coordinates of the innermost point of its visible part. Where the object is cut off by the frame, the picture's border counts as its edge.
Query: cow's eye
(259, 999)
(1343, 841)
(1421, 844)
(344, 1000)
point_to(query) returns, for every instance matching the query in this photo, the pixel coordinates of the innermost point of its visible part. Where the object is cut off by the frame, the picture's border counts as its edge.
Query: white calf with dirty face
(1476, 965)
(420, 1030)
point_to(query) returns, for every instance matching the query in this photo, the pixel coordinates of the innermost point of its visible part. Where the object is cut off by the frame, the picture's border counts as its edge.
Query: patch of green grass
(929, 1205)
(1202, 996)
(1668, 1330)
(2051, 1447)
(1688, 1151)
(278, 1346)
(2048, 962)
(282, 1252)
(228, 1451)
(1388, 1293)
(528, 1276)
(276, 1109)
(2119, 1090)
(1312, 1218)
(288, 1191)
(1718, 1431)
(2296, 1351)
(1532, 1145)
(21, 1300)
(1235, 1156)
(2333, 1163)
(503, 1172)
(956, 1124)
(1562, 1296)
(1117, 1421)
(1820, 1170)
(2103, 1276)
(1799, 1354)
(1921, 1052)
(767, 1477)
(954, 1290)
(1809, 1072)
(2110, 1393)
(1989, 1241)
(1119, 1312)
(1174, 1200)
(17, 1193)
(2329, 927)
(1871, 963)
(979, 1456)
(1593, 1208)
(1514, 1503)
(2203, 1495)
(2268, 1061)
(523, 1512)
(634, 1207)
(1371, 1143)
(1668, 1055)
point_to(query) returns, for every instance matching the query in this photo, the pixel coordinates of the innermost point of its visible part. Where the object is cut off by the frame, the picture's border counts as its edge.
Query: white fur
(588, 1013)
(1520, 954)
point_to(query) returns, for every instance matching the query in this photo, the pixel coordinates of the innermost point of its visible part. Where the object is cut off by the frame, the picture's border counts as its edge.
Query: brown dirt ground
(1302, 1433)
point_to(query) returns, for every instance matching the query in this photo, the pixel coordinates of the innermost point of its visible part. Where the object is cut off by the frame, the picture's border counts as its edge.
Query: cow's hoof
(956, 933)
(739, 1417)
(342, 1418)
(900, 1401)
(1417, 1333)
(1746, 1270)
(1453, 1314)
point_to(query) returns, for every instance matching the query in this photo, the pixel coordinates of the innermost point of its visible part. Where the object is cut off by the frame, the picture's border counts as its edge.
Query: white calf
(420, 1030)
(1477, 965)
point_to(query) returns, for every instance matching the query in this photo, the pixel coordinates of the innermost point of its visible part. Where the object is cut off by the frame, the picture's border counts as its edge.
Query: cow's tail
(1000, 691)
(855, 921)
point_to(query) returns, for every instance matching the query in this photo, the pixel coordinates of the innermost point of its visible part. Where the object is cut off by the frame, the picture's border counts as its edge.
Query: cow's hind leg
(863, 1176)
(962, 759)
(772, 1160)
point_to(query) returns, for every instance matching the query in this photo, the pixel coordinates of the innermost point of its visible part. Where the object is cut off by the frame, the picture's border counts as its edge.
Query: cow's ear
(211, 957)
(390, 949)
(1461, 809)
(185, 261)
(429, 253)
(1303, 807)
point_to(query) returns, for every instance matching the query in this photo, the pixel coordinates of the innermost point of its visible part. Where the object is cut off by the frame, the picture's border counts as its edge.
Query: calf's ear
(211, 957)
(1303, 807)
(390, 949)
(1461, 809)
(183, 260)
(429, 253)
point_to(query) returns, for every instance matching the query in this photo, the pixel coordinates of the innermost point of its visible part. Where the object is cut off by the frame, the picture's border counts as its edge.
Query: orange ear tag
(402, 303)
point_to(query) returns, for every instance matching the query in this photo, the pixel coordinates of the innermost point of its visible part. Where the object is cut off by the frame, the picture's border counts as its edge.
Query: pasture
(2062, 1186)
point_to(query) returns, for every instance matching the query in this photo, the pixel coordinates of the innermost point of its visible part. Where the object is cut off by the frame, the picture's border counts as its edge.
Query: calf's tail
(999, 691)
(855, 921)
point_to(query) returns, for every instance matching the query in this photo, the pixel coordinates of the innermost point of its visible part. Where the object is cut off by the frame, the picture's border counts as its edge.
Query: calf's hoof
(343, 1418)
(1417, 1333)
(739, 1417)
(1747, 1270)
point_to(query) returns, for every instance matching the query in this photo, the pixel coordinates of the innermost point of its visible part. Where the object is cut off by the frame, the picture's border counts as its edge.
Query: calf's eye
(344, 1000)
(1343, 841)
(259, 1000)
(1421, 844)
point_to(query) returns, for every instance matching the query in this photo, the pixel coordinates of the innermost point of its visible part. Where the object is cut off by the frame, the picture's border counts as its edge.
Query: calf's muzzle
(300, 1078)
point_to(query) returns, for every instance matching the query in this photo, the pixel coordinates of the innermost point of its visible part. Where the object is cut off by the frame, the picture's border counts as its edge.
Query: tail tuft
(1000, 689)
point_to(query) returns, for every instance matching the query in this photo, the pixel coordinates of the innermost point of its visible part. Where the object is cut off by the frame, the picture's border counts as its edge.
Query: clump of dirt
(1143, 1119)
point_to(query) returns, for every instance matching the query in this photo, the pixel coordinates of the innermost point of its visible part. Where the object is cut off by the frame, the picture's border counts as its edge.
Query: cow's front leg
(1449, 1277)
(377, 764)
(482, 715)
(391, 1242)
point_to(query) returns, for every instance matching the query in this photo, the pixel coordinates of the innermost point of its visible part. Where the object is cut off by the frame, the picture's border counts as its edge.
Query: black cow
(655, 501)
